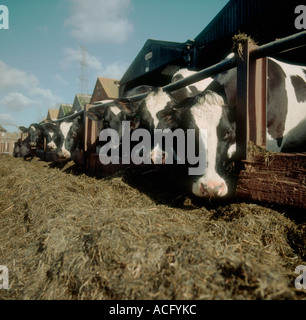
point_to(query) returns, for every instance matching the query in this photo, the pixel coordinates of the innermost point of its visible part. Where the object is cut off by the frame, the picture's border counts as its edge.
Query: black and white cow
(190, 90)
(36, 139)
(68, 139)
(111, 113)
(22, 148)
(37, 132)
(215, 111)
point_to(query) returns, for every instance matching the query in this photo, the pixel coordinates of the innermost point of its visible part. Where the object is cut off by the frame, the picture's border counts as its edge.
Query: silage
(66, 235)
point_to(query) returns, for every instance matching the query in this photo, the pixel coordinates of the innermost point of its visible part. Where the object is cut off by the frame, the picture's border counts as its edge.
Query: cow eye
(228, 134)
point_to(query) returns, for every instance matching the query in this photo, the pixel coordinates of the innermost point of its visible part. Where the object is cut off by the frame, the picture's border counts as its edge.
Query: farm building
(105, 89)
(64, 110)
(79, 101)
(155, 64)
(52, 114)
(7, 140)
(2, 130)
(159, 60)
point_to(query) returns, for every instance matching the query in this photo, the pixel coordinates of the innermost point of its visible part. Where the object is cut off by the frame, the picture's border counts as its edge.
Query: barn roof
(64, 110)
(80, 100)
(263, 20)
(105, 89)
(155, 64)
(52, 114)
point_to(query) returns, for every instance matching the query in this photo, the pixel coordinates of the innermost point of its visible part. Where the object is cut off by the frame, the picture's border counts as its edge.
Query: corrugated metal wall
(263, 20)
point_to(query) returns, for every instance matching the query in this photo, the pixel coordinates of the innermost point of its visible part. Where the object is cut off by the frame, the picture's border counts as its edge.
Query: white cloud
(21, 94)
(11, 78)
(6, 118)
(73, 56)
(100, 20)
(16, 101)
(60, 79)
(113, 70)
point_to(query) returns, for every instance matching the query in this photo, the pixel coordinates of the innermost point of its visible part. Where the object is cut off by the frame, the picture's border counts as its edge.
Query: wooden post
(242, 118)
(251, 100)
(90, 132)
(258, 100)
(45, 149)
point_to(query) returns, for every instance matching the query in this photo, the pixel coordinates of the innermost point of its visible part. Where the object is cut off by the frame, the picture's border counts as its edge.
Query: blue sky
(40, 53)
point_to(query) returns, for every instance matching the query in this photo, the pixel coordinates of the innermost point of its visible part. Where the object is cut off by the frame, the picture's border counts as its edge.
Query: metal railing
(288, 43)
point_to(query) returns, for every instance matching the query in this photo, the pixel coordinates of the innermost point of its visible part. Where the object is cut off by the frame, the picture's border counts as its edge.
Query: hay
(238, 40)
(66, 235)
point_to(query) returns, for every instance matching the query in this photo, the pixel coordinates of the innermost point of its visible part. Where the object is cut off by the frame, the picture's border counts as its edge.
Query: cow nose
(212, 189)
(159, 157)
(32, 144)
(64, 154)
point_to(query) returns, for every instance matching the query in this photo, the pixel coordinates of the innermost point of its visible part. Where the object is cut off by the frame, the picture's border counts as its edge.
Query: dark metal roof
(263, 20)
(155, 64)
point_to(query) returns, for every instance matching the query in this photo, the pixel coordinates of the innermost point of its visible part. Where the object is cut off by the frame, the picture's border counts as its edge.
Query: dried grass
(66, 235)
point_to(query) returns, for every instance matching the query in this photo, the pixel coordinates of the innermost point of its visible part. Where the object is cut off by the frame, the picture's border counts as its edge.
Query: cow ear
(77, 120)
(23, 129)
(126, 105)
(49, 126)
(93, 114)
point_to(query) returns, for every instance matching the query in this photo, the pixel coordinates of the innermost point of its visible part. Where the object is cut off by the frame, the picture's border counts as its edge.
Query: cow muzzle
(32, 145)
(64, 154)
(213, 189)
(159, 157)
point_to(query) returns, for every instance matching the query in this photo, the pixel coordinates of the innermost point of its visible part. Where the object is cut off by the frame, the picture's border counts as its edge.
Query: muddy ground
(136, 235)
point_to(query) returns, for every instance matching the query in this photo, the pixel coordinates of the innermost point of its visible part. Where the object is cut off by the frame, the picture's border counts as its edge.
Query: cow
(68, 139)
(111, 113)
(190, 90)
(146, 110)
(214, 109)
(37, 132)
(22, 148)
(35, 135)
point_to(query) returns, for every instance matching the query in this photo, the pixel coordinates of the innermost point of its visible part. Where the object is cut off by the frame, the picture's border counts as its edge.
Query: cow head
(35, 135)
(205, 111)
(211, 113)
(69, 137)
(143, 114)
(190, 90)
(50, 132)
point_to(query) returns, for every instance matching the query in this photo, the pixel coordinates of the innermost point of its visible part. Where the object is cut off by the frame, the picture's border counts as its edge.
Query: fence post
(251, 100)
(242, 117)
(258, 100)
(90, 131)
